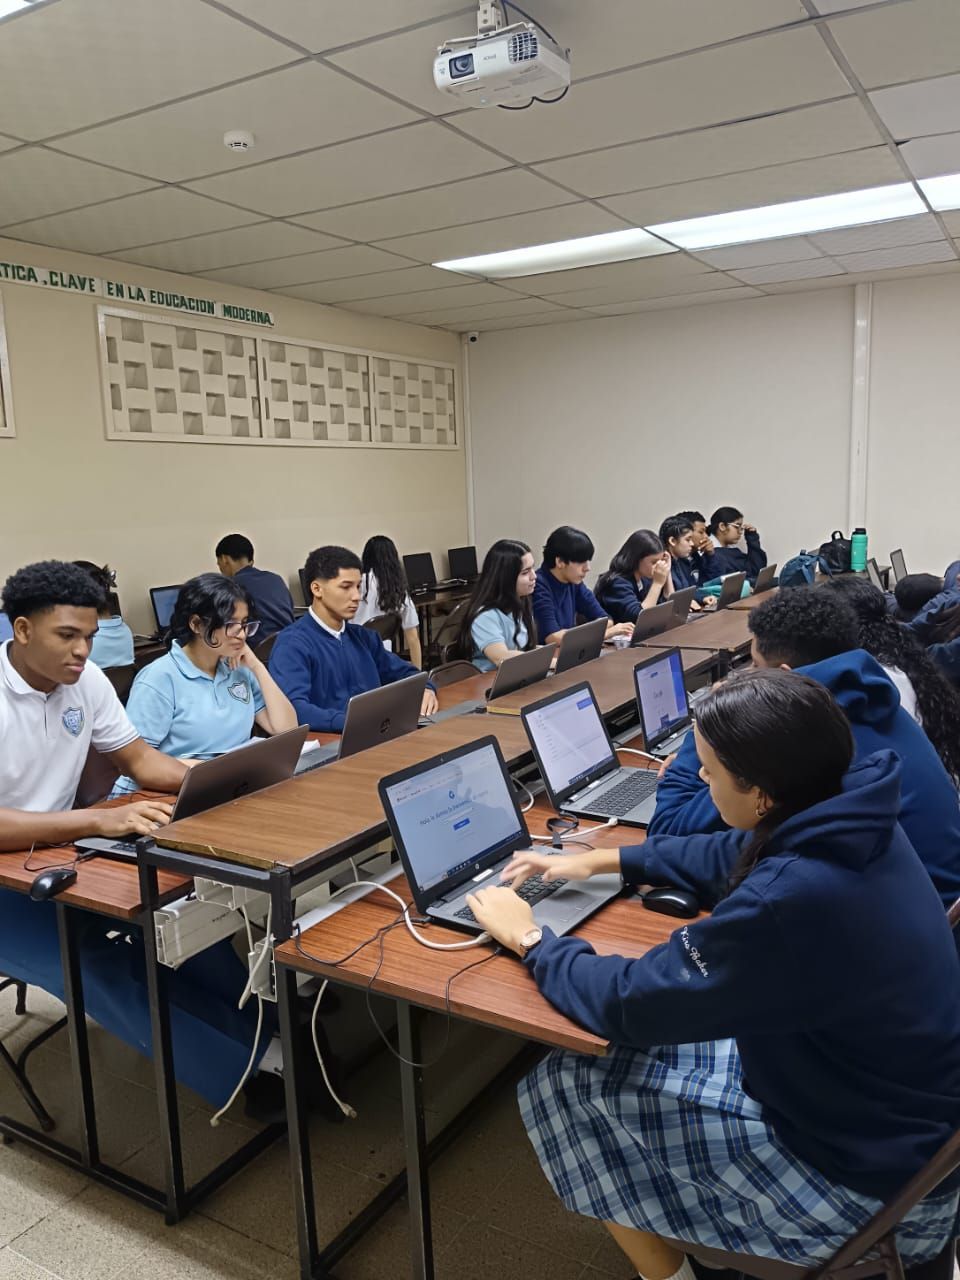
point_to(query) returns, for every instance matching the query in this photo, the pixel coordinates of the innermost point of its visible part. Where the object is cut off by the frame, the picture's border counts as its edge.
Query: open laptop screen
(163, 600)
(661, 696)
(452, 816)
(463, 562)
(898, 564)
(571, 742)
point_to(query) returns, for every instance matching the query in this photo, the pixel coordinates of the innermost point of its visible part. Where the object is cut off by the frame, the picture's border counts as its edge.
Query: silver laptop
(730, 591)
(662, 702)
(766, 578)
(456, 824)
(579, 764)
(257, 764)
(379, 715)
(898, 565)
(581, 644)
(681, 601)
(873, 573)
(650, 622)
(523, 669)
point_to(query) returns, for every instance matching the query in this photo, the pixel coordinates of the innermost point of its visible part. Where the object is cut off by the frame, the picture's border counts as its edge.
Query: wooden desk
(726, 631)
(751, 602)
(103, 885)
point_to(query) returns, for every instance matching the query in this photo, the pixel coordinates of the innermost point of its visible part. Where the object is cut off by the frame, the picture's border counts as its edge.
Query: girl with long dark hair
(383, 589)
(498, 620)
(805, 1058)
(638, 577)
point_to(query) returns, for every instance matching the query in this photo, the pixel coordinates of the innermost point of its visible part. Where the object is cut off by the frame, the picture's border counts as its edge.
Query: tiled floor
(494, 1214)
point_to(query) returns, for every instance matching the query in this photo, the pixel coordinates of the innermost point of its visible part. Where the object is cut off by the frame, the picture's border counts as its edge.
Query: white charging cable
(577, 833)
(632, 751)
(523, 787)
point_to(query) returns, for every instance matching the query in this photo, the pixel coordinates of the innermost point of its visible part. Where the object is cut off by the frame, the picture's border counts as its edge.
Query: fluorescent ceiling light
(13, 6)
(562, 255)
(796, 218)
(943, 193)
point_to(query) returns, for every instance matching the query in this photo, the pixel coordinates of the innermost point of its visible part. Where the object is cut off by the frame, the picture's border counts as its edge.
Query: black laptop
(463, 564)
(420, 573)
(379, 715)
(662, 702)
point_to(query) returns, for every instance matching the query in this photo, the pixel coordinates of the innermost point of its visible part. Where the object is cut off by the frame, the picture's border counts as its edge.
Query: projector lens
(461, 65)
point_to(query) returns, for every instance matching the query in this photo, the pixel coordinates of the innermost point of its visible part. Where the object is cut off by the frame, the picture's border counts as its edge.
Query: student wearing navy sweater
(816, 632)
(269, 593)
(777, 1069)
(676, 534)
(937, 626)
(702, 546)
(638, 578)
(727, 528)
(560, 594)
(324, 659)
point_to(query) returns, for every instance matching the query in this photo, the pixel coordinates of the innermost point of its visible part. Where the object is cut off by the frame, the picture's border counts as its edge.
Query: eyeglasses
(236, 629)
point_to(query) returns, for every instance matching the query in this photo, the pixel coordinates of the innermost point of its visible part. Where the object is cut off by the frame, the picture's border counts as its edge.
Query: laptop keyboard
(533, 890)
(626, 795)
(125, 846)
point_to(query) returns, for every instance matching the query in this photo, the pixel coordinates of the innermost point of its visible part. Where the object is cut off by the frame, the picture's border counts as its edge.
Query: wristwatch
(529, 941)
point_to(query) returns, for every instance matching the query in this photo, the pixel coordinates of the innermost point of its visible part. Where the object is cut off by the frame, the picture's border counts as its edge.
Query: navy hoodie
(622, 596)
(929, 807)
(733, 560)
(832, 965)
(945, 654)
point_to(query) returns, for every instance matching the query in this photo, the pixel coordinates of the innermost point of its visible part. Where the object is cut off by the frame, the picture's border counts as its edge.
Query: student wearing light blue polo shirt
(113, 644)
(498, 622)
(204, 696)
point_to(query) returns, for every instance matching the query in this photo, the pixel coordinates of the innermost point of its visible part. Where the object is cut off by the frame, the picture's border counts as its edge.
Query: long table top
(725, 631)
(323, 816)
(750, 602)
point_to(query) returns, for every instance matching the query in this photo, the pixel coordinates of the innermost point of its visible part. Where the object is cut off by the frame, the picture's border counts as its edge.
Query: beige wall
(155, 510)
(613, 424)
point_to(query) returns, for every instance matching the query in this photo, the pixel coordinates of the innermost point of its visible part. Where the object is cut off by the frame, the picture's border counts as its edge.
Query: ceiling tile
(603, 294)
(676, 300)
(790, 249)
(847, 281)
(100, 59)
(637, 273)
(812, 270)
(522, 229)
(408, 303)
(493, 195)
(467, 316)
(926, 106)
(901, 42)
(753, 77)
(378, 284)
(229, 248)
(529, 322)
(952, 221)
(291, 110)
(879, 235)
(383, 165)
(7, 143)
(910, 255)
(825, 175)
(352, 260)
(624, 32)
(403, 64)
(134, 220)
(327, 26)
(35, 182)
(931, 157)
(790, 135)
(838, 6)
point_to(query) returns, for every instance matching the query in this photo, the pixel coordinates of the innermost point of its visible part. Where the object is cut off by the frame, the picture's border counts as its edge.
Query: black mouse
(51, 882)
(672, 902)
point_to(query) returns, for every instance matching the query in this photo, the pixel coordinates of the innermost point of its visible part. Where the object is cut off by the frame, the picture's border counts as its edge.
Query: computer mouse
(671, 902)
(48, 883)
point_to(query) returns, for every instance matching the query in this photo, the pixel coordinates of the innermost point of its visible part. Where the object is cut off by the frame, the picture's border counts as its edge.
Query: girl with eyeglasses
(204, 696)
(727, 528)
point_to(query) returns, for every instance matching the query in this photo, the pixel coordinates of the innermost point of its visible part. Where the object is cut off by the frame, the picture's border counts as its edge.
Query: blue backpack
(800, 571)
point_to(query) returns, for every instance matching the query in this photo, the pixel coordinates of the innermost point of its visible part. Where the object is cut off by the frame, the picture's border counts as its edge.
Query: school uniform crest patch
(73, 720)
(240, 690)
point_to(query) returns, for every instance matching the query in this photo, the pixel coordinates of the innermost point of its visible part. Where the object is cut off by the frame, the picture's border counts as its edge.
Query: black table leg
(415, 1142)
(298, 1127)
(77, 1030)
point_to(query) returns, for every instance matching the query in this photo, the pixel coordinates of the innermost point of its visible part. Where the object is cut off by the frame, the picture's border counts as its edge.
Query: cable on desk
(632, 751)
(523, 787)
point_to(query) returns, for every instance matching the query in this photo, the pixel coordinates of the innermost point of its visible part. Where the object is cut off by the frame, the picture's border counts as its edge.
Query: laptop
(581, 644)
(898, 565)
(730, 591)
(305, 587)
(463, 564)
(257, 764)
(579, 764)
(766, 578)
(379, 715)
(517, 672)
(873, 573)
(419, 571)
(456, 824)
(163, 600)
(650, 622)
(662, 702)
(681, 601)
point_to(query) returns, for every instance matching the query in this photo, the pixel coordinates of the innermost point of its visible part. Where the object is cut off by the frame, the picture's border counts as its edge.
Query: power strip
(265, 971)
(185, 928)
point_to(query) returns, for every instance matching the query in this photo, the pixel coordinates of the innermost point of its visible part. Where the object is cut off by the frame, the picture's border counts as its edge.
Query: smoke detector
(238, 140)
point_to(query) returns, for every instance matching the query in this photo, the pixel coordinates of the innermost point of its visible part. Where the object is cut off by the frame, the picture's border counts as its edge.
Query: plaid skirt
(669, 1142)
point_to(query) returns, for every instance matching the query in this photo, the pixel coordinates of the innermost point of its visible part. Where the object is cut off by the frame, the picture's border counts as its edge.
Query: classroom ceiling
(112, 118)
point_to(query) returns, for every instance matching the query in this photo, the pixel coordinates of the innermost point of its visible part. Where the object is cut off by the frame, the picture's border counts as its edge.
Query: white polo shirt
(46, 736)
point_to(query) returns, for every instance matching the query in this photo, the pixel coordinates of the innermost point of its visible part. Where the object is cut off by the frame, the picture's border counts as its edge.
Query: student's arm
(661, 585)
(411, 636)
(620, 601)
(756, 556)
(131, 743)
(274, 712)
(549, 630)
(22, 830)
(292, 667)
(392, 667)
(683, 804)
(148, 767)
(487, 635)
(589, 608)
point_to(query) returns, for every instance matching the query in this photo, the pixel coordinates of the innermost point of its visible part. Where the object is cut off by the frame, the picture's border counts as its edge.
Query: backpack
(799, 571)
(834, 555)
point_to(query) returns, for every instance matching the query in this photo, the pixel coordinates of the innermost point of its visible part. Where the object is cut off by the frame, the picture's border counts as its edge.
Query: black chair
(96, 780)
(122, 680)
(18, 1066)
(452, 672)
(389, 628)
(265, 647)
(445, 640)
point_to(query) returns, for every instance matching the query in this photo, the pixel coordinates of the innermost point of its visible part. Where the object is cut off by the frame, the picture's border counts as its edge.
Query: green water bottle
(858, 550)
